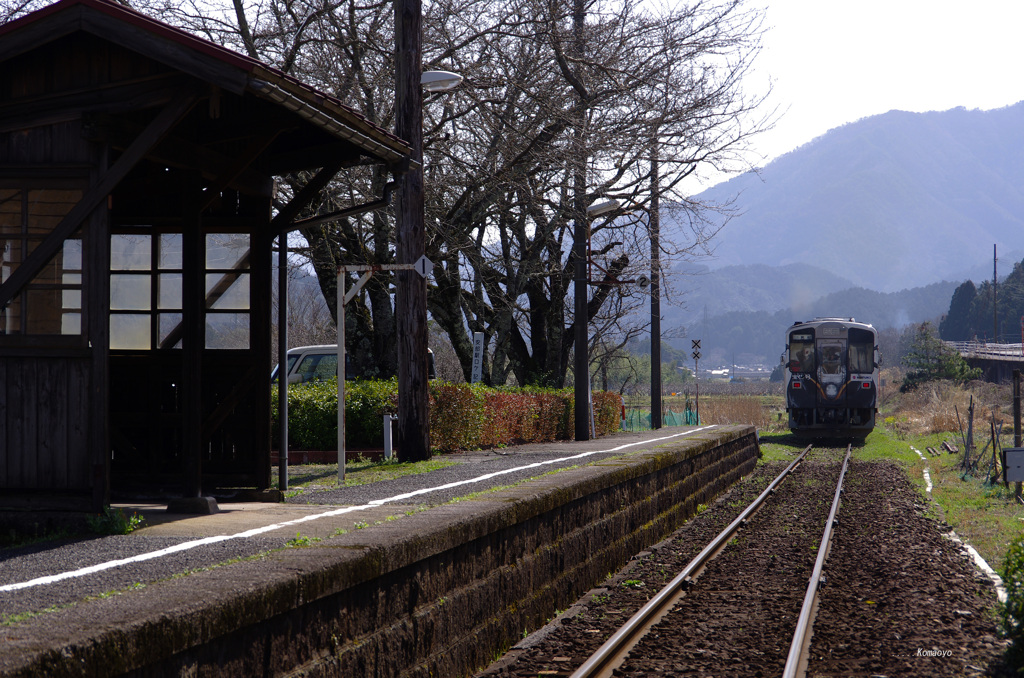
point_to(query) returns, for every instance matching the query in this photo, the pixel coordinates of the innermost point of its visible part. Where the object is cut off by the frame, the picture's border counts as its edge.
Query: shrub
(1013, 611)
(462, 416)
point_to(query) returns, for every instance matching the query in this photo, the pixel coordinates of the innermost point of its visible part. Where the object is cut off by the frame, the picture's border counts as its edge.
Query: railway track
(616, 651)
(736, 592)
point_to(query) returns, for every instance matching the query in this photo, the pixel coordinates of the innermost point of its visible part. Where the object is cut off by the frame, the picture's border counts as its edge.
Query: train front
(831, 378)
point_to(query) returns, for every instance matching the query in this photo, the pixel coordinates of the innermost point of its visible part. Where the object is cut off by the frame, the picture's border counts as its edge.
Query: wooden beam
(178, 152)
(39, 33)
(237, 167)
(125, 96)
(286, 215)
(165, 120)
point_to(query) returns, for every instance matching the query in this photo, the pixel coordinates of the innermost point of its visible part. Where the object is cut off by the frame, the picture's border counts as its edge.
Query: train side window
(861, 358)
(801, 353)
(862, 352)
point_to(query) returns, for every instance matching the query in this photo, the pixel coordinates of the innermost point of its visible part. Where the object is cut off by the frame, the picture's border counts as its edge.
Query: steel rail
(796, 663)
(610, 655)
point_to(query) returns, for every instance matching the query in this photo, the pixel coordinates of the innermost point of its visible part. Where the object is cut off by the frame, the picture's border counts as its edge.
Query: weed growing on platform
(114, 521)
(313, 477)
(301, 541)
(15, 619)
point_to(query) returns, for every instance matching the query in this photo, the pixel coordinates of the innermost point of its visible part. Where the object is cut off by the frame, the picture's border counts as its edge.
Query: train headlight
(831, 390)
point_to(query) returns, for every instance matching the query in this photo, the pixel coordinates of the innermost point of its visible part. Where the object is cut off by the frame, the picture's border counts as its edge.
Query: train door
(832, 370)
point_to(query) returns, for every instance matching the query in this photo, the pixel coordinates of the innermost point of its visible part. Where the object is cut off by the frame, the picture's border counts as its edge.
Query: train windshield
(830, 355)
(862, 352)
(801, 352)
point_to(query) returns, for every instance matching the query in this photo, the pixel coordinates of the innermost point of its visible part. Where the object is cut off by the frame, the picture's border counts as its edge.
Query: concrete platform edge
(440, 592)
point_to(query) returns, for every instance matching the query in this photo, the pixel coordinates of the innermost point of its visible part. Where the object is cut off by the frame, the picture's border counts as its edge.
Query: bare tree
(549, 96)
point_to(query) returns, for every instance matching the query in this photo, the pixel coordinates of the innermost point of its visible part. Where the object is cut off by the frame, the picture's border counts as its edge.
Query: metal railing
(981, 349)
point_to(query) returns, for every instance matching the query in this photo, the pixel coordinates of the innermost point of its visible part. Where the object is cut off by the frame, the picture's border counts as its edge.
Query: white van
(313, 363)
(310, 363)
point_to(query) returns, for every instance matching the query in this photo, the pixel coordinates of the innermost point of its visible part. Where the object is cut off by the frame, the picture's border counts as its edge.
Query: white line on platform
(185, 546)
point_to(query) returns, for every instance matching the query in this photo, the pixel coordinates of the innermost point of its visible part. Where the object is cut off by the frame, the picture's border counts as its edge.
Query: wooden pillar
(193, 342)
(96, 319)
(261, 243)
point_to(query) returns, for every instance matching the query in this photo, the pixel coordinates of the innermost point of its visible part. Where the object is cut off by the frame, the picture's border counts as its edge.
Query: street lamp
(439, 81)
(582, 409)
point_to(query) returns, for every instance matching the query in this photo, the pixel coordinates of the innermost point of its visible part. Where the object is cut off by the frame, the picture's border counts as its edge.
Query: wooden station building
(137, 231)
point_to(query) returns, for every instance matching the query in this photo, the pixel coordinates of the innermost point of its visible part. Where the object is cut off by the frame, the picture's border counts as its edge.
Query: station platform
(427, 574)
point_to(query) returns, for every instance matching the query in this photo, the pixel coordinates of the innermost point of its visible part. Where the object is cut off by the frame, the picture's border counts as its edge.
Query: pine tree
(930, 359)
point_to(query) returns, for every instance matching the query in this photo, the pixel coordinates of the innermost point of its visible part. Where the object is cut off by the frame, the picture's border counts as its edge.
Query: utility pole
(655, 224)
(410, 288)
(580, 245)
(995, 296)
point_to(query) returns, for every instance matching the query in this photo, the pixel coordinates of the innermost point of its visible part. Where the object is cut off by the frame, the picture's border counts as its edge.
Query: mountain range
(889, 202)
(879, 219)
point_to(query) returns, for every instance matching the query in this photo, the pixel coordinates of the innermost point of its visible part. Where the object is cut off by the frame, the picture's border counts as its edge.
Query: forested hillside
(970, 312)
(890, 202)
(749, 337)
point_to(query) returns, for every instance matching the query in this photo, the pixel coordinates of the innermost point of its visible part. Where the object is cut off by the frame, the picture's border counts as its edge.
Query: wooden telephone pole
(410, 288)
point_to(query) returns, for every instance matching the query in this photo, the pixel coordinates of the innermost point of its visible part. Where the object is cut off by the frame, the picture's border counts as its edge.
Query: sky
(836, 61)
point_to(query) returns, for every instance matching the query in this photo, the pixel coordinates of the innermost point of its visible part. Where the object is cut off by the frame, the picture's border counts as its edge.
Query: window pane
(11, 257)
(227, 291)
(169, 291)
(10, 317)
(129, 292)
(72, 255)
(71, 323)
(227, 250)
(71, 299)
(318, 366)
(168, 323)
(801, 356)
(170, 251)
(227, 330)
(130, 252)
(129, 332)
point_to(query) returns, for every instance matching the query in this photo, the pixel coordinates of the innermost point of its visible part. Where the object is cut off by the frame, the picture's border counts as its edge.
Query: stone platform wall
(442, 592)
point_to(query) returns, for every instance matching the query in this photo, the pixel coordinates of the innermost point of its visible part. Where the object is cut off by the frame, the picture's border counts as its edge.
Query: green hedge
(462, 416)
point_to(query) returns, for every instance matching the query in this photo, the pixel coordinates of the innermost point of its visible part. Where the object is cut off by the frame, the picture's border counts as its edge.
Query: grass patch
(115, 521)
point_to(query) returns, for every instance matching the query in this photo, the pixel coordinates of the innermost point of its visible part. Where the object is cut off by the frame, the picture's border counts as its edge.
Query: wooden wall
(43, 432)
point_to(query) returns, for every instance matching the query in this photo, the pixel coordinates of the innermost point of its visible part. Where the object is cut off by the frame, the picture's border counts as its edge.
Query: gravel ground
(900, 599)
(540, 458)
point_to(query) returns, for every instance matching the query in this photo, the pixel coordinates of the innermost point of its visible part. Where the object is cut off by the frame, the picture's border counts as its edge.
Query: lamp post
(582, 408)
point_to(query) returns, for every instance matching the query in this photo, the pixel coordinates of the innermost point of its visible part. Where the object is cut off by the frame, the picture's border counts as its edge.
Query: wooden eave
(222, 68)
